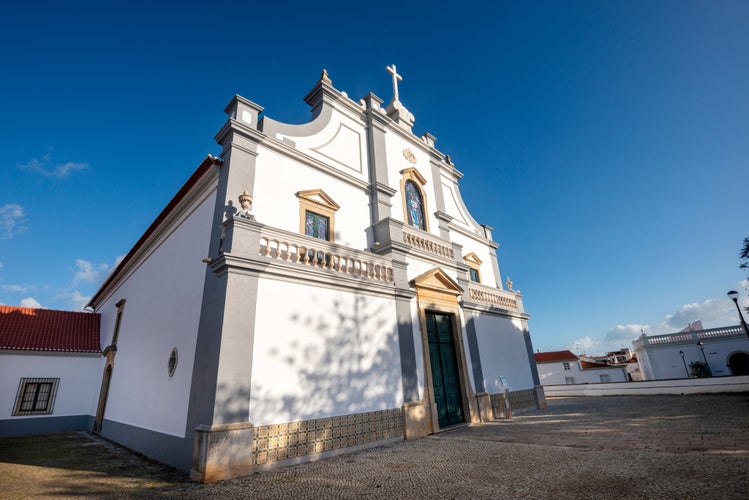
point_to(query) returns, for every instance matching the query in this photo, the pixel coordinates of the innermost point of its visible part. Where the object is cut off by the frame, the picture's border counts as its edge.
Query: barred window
(569, 380)
(36, 396)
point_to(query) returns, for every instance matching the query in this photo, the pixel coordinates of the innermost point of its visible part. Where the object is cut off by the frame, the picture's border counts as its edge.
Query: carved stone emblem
(409, 155)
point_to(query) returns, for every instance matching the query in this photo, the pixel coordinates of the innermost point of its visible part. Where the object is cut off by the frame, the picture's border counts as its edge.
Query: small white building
(564, 367)
(50, 370)
(725, 350)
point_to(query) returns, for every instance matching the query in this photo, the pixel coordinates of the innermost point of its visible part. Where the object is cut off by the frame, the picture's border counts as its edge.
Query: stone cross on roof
(396, 78)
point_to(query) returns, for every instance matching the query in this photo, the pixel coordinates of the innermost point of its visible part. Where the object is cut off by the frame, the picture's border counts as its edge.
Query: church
(313, 290)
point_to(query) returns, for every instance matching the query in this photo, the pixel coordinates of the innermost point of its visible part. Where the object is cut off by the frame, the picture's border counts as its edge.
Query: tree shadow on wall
(349, 362)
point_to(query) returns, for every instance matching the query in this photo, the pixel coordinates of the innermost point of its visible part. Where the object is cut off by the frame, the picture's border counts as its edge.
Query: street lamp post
(701, 347)
(734, 296)
(681, 353)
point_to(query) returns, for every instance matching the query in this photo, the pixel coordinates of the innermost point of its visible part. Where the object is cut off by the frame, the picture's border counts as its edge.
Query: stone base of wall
(221, 451)
(504, 405)
(274, 443)
(414, 420)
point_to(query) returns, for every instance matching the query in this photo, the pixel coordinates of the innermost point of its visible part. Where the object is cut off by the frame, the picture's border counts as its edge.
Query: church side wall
(79, 376)
(162, 311)
(321, 352)
(503, 353)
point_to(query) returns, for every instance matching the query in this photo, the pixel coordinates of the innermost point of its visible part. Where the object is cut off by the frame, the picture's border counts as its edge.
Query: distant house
(50, 364)
(725, 350)
(564, 367)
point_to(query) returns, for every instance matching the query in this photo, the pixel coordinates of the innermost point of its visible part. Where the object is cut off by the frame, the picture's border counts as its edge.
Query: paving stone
(607, 447)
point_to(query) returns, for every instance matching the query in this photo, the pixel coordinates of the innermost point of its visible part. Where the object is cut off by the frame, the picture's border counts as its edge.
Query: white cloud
(46, 168)
(11, 220)
(31, 302)
(86, 272)
(78, 301)
(714, 313)
(16, 288)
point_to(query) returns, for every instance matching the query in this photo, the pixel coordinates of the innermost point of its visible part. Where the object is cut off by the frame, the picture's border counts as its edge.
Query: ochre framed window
(474, 263)
(317, 214)
(415, 211)
(36, 396)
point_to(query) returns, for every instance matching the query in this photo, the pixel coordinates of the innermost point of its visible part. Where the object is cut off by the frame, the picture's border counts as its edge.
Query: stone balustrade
(302, 250)
(493, 296)
(427, 244)
(688, 337)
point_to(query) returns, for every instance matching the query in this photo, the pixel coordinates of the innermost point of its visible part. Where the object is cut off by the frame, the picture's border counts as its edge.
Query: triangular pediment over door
(437, 286)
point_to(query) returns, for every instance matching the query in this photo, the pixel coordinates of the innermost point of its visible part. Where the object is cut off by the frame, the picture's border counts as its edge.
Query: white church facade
(315, 289)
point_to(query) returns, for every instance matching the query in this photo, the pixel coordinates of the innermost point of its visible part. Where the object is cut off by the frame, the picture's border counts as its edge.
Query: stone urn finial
(245, 200)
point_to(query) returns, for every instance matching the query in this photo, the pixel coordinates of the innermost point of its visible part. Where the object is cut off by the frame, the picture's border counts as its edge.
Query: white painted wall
(320, 352)
(554, 373)
(278, 178)
(503, 353)
(164, 297)
(664, 362)
(79, 376)
(653, 387)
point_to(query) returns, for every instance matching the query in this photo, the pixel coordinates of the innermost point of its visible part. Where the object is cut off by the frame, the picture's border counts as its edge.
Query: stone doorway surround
(437, 292)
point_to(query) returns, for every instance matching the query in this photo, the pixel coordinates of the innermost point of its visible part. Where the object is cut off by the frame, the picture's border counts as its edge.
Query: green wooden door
(443, 360)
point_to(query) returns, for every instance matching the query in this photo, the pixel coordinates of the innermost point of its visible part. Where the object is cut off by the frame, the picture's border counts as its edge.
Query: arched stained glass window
(414, 205)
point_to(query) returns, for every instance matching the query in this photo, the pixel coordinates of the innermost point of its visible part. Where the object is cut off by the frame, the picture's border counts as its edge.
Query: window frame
(566, 365)
(24, 384)
(472, 260)
(413, 175)
(317, 202)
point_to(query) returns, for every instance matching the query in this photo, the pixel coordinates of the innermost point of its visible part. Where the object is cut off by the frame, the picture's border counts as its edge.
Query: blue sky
(607, 143)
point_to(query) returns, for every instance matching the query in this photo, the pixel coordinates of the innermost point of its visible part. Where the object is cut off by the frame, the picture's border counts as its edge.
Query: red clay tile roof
(207, 163)
(589, 364)
(554, 356)
(28, 329)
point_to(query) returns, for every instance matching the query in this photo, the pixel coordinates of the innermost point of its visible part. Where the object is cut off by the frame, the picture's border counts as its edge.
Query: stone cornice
(493, 310)
(232, 125)
(472, 235)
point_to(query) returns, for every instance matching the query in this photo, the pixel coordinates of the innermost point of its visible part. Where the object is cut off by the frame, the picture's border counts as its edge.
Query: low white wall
(648, 387)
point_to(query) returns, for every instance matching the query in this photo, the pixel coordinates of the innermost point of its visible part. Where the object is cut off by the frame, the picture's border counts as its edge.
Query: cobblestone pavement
(604, 447)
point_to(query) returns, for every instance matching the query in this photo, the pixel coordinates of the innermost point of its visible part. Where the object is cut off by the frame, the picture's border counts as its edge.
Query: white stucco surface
(79, 380)
(664, 361)
(555, 374)
(277, 204)
(164, 297)
(503, 353)
(320, 352)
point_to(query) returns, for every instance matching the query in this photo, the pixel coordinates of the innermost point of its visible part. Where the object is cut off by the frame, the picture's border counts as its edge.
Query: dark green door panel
(443, 361)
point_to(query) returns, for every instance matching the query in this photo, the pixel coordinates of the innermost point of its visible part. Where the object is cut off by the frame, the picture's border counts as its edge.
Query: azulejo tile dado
(272, 443)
